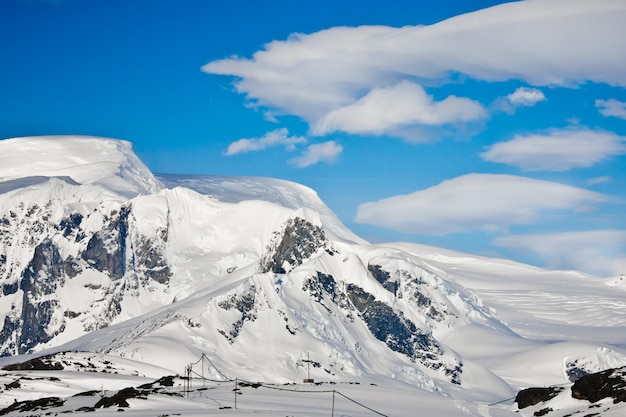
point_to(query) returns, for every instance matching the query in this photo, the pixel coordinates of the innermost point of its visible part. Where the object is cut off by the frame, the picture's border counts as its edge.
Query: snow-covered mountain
(99, 255)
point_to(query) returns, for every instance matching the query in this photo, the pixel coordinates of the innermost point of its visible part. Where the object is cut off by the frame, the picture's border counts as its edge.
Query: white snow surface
(235, 189)
(84, 159)
(510, 325)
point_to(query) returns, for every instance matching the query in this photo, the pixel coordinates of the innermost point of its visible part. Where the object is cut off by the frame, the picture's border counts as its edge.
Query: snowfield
(176, 295)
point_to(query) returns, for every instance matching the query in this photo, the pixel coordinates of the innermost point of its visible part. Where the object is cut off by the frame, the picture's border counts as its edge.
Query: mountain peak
(85, 159)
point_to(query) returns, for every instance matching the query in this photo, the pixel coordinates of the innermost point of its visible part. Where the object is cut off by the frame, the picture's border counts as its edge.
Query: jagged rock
(43, 275)
(299, 241)
(38, 404)
(324, 284)
(575, 369)
(399, 333)
(164, 381)
(384, 278)
(119, 399)
(10, 288)
(543, 412)
(44, 363)
(533, 396)
(150, 261)
(45, 270)
(12, 385)
(610, 383)
(244, 303)
(70, 224)
(106, 250)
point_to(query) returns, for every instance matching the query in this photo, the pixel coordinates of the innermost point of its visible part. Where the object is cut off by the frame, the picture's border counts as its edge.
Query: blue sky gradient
(504, 127)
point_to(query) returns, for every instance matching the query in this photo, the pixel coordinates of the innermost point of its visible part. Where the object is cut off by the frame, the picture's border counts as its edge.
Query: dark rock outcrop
(399, 333)
(384, 278)
(43, 275)
(39, 404)
(299, 240)
(606, 384)
(106, 250)
(533, 396)
(150, 262)
(44, 363)
(325, 286)
(244, 303)
(120, 398)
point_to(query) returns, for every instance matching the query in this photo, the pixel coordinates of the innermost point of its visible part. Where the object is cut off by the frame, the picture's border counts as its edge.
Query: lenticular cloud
(559, 150)
(549, 42)
(475, 202)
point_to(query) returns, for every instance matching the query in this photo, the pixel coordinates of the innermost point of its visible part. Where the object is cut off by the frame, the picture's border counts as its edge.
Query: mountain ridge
(257, 272)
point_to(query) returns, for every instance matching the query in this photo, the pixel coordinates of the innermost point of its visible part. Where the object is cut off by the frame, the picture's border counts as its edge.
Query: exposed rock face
(149, 261)
(399, 333)
(533, 396)
(324, 286)
(43, 363)
(108, 242)
(299, 240)
(384, 278)
(33, 324)
(387, 325)
(34, 405)
(243, 303)
(119, 399)
(606, 384)
(106, 250)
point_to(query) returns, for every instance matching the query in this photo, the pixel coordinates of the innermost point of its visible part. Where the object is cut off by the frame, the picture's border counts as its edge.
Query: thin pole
(187, 387)
(236, 393)
(189, 377)
(308, 363)
(333, 412)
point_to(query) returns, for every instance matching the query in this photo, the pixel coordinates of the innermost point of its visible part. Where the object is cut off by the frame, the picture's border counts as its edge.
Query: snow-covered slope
(259, 277)
(287, 194)
(83, 159)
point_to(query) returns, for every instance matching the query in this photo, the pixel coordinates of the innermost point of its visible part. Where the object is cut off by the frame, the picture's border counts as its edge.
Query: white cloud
(525, 96)
(601, 252)
(542, 43)
(319, 152)
(612, 107)
(472, 202)
(559, 150)
(404, 104)
(598, 180)
(278, 137)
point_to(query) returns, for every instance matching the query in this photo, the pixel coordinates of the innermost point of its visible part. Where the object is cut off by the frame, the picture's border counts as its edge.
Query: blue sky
(486, 127)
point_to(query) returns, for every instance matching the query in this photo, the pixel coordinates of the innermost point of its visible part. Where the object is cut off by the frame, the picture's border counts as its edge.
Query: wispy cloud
(476, 202)
(558, 150)
(601, 252)
(278, 137)
(392, 108)
(319, 152)
(612, 107)
(540, 43)
(598, 180)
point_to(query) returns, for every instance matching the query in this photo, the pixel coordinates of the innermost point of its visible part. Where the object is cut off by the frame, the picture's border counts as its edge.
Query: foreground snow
(217, 399)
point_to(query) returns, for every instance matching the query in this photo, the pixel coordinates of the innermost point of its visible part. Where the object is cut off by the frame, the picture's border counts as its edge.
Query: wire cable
(263, 385)
(362, 405)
